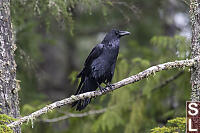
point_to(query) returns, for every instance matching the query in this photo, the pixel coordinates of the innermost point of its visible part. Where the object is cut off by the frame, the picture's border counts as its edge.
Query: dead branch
(69, 115)
(132, 79)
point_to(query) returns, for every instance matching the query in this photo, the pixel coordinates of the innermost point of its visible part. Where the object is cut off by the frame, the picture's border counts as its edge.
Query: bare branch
(69, 115)
(167, 81)
(132, 7)
(142, 75)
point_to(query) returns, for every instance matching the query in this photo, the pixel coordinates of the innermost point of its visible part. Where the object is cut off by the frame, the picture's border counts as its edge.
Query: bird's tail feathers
(85, 86)
(79, 86)
(80, 74)
(78, 92)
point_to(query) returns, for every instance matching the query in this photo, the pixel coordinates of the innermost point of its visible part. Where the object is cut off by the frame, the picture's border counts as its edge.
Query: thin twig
(135, 78)
(167, 81)
(69, 115)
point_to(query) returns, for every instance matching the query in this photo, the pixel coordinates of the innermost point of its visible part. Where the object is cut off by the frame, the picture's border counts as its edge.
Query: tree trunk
(8, 85)
(195, 48)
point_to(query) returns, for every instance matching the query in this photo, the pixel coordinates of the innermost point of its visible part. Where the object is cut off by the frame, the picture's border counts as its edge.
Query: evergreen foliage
(75, 26)
(175, 125)
(4, 120)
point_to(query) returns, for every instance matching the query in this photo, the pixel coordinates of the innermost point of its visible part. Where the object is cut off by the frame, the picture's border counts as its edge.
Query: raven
(99, 66)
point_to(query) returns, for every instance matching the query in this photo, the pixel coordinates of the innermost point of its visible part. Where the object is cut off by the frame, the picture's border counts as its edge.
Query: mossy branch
(132, 79)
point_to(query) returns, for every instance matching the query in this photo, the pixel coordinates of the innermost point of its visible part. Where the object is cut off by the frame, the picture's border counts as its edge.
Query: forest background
(54, 38)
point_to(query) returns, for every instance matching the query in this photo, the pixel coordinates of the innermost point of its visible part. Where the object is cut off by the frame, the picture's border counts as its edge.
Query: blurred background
(54, 37)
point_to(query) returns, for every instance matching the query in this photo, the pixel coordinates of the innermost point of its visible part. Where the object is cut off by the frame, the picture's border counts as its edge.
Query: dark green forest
(54, 37)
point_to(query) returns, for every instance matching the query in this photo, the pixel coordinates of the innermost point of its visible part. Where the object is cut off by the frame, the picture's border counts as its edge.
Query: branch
(69, 115)
(167, 81)
(135, 78)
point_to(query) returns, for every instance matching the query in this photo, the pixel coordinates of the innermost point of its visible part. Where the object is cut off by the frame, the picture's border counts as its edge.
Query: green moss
(4, 120)
(174, 125)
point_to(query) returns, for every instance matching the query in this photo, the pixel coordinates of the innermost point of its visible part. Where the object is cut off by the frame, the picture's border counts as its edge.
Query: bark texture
(8, 94)
(195, 48)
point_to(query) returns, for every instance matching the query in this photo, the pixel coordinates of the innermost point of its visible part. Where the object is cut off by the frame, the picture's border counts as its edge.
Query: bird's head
(114, 35)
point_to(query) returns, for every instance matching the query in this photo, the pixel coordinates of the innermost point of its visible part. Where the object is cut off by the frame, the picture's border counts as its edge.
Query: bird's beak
(123, 33)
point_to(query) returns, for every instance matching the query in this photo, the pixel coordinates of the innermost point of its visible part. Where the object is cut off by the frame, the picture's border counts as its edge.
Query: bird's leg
(108, 85)
(100, 87)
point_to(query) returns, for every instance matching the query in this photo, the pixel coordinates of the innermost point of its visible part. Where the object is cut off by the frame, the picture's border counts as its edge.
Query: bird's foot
(102, 89)
(110, 86)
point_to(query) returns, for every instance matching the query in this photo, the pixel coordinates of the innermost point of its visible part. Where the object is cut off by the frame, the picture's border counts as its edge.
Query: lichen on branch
(132, 79)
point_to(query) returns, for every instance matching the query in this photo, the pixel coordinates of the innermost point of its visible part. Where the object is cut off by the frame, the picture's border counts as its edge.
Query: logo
(193, 117)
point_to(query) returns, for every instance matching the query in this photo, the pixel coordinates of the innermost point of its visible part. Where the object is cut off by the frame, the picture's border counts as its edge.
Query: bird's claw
(102, 89)
(110, 86)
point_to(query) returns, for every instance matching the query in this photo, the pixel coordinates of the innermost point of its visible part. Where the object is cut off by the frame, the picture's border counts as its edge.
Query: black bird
(99, 66)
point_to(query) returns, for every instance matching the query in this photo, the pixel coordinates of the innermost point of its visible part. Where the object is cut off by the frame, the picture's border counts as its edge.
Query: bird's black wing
(111, 73)
(96, 52)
